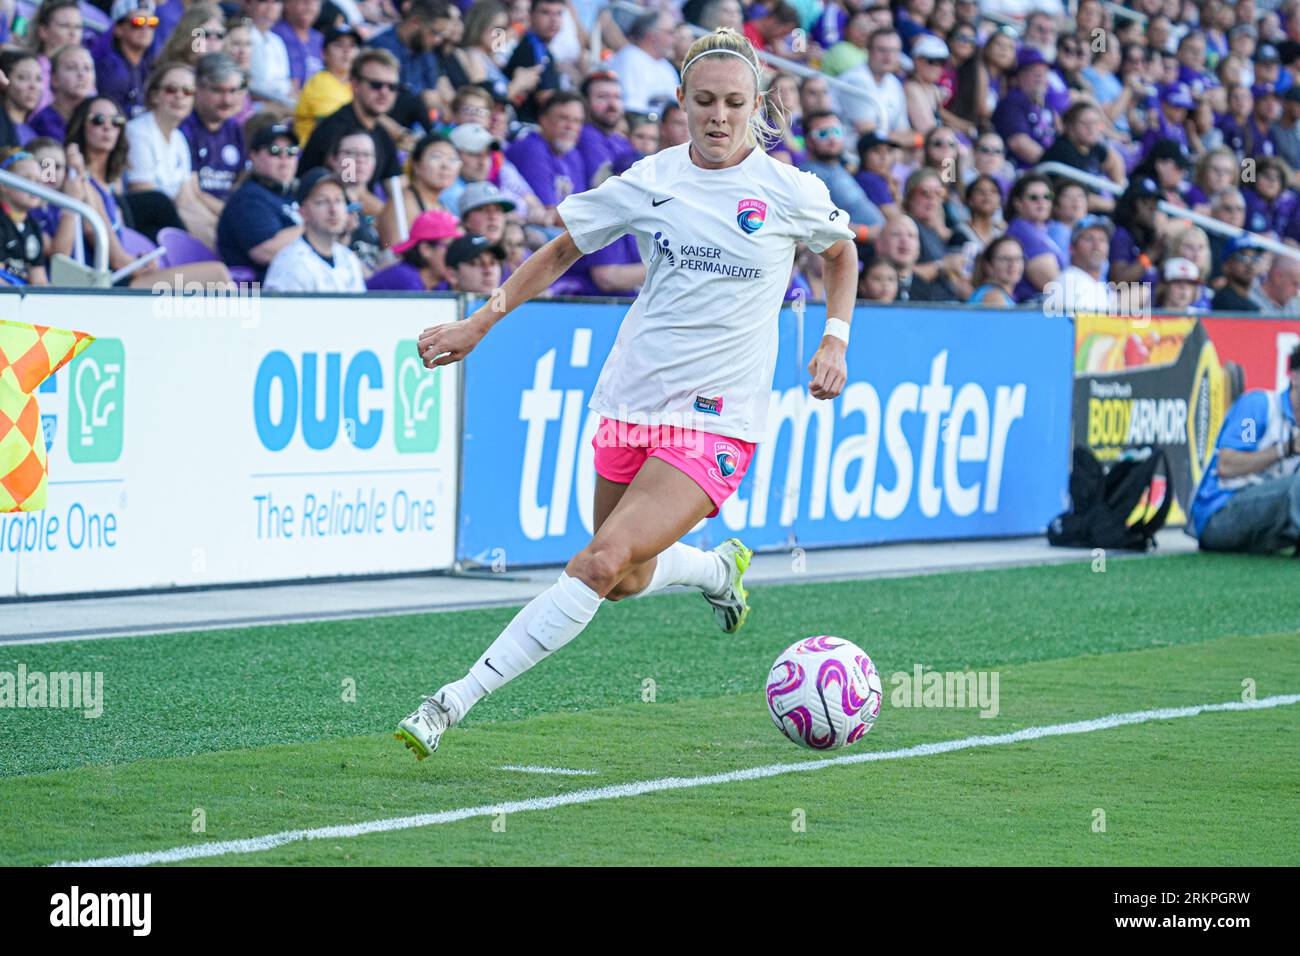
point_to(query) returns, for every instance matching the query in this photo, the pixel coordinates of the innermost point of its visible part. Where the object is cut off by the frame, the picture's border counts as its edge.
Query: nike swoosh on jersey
(660, 202)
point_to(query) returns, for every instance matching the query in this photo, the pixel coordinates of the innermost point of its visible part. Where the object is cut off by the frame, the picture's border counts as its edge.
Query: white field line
(640, 788)
(558, 771)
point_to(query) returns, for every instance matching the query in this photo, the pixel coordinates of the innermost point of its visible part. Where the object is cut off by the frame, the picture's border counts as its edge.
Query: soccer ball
(823, 692)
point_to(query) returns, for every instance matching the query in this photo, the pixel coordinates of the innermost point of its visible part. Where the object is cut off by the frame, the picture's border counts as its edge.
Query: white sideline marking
(272, 840)
(560, 771)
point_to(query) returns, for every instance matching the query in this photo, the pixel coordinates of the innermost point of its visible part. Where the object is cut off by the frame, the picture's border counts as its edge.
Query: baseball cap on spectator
(1171, 149)
(1240, 244)
(1029, 56)
(1267, 53)
(122, 9)
(477, 195)
(1178, 95)
(1181, 270)
(1145, 188)
(1092, 222)
(267, 135)
(338, 32)
(313, 178)
(431, 225)
(1260, 90)
(468, 248)
(871, 140)
(929, 47)
(473, 138)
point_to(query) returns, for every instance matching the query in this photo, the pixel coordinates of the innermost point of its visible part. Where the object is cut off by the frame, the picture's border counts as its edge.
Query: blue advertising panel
(953, 424)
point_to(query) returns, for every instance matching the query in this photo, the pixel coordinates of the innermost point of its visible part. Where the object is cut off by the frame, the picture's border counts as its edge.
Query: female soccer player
(684, 393)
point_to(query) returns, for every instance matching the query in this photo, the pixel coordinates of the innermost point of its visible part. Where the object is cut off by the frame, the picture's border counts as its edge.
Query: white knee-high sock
(544, 625)
(682, 564)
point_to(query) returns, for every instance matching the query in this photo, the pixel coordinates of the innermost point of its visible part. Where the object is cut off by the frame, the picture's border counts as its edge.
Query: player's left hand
(828, 369)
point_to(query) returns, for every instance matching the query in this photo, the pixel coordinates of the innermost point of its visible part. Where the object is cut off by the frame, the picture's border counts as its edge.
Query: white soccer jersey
(298, 267)
(698, 347)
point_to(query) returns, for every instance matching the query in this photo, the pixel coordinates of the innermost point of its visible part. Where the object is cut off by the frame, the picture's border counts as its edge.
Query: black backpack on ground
(1104, 502)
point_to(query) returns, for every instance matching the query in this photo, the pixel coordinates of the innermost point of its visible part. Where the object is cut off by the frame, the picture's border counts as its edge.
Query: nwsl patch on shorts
(711, 406)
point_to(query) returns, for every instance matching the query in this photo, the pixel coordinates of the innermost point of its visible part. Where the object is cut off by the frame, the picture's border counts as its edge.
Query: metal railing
(1208, 223)
(1124, 13)
(62, 201)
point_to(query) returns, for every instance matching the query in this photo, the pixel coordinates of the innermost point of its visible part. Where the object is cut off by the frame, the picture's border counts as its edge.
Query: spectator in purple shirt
(1170, 122)
(616, 270)
(1260, 141)
(122, 57)
(1028, 211)
(215, 137)
(422, 265)
(876, 164)
(549, 160)
(604, 150)
(72, 79)
(1270, 205)
(1023, 118)
(56, 23)
(305, 45)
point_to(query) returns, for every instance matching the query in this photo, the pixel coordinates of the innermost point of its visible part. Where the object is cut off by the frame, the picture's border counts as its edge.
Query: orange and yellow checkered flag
(29, 354)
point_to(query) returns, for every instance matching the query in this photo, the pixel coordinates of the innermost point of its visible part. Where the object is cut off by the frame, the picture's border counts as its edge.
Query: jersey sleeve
(597, 217)
(818, 222)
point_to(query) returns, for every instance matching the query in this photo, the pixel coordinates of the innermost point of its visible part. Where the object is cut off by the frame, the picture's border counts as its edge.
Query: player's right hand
(444, 344)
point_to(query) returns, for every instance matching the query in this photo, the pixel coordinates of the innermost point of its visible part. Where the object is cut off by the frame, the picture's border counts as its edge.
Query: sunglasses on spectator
(964, 38)
(278, 150)
(378, 85)
(990, 150)
(1072, 50)
(143, 21)
(171, 89)
(947, 143)
(104, 119)
(828, 132)
(1039, 197)
(215, 34)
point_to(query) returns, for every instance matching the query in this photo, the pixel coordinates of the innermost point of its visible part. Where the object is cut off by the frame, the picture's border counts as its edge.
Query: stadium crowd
(262, 141)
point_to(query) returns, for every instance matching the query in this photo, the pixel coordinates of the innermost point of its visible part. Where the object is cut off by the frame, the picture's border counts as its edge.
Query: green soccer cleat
(422, 730)
(731, 607)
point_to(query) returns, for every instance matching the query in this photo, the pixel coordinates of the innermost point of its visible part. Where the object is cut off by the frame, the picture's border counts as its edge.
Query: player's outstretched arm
(828, 367)
(444, 344)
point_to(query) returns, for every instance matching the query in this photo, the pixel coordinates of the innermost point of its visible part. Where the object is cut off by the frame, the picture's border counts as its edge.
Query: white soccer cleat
(423, 729)
(732, 606)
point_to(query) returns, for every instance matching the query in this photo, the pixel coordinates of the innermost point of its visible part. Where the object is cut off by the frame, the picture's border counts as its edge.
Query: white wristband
(837, 328)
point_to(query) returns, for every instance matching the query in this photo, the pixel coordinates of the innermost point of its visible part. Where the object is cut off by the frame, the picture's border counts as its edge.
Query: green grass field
(256, 732)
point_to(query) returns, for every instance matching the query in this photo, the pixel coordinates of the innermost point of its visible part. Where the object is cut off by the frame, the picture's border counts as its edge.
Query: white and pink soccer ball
(823, 692)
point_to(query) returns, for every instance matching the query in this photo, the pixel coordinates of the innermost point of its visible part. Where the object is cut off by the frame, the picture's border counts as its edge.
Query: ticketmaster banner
(954, 424)
(278, 438)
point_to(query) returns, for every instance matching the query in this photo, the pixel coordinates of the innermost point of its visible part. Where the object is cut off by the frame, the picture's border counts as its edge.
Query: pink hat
(430, 226)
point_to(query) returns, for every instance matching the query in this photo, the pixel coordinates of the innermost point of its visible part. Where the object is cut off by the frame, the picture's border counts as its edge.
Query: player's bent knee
(602, 567)
(631, 584)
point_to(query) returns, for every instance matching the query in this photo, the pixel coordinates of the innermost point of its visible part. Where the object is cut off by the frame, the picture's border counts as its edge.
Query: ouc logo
(301, 385)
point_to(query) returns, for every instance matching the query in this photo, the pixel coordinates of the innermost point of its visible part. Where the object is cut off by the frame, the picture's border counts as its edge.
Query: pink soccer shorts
(716, 463)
